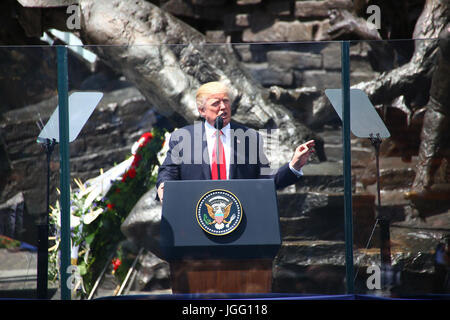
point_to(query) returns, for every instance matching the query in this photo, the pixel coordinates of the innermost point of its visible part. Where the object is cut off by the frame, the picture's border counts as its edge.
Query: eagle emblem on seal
(219, 212)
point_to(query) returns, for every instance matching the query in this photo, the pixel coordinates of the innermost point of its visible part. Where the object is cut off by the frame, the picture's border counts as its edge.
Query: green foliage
(8, 243)
(100, 239)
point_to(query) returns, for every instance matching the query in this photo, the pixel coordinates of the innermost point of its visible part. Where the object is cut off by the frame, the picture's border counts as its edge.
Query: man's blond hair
(209, 88)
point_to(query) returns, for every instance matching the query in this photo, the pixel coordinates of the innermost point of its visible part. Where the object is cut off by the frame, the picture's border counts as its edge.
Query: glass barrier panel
(277, 89)
(148, 92)
(28, 93)
(401, 237)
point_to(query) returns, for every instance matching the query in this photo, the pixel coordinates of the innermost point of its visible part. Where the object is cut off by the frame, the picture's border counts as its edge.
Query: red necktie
(222, 164)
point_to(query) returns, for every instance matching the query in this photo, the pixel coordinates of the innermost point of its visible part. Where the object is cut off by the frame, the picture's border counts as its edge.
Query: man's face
(215, 105)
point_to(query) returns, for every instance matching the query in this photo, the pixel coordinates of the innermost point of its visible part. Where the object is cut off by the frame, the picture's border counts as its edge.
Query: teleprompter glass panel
(399, 237)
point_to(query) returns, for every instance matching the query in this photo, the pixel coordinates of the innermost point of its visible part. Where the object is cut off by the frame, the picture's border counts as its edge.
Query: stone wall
(303, 64)
(256, 20)
(245, 23)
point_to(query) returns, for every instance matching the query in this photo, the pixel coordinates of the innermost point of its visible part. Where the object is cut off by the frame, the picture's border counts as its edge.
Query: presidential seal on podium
(219, 212)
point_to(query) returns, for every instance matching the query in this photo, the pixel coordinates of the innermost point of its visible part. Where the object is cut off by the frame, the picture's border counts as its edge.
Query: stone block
(294, 60)
(215, 36)
(298, 100)
(89, 162)
(242, 20)
(322, 27)
(357, 77)
(47, 3)
(102, 142)
(281, 31)
(298, 31)
(319, 9)
(18, 132)
(247, 2)
(332, 57)
(321, 79)
(243, 51)
(269, 76)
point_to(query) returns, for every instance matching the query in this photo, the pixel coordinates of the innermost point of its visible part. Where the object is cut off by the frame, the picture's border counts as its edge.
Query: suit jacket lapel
(199, 134)
(235, 157)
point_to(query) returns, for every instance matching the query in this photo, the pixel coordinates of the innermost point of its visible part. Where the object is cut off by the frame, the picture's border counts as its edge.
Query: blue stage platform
(272, 296)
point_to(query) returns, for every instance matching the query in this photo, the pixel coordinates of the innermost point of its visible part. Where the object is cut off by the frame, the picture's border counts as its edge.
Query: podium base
(221, 276)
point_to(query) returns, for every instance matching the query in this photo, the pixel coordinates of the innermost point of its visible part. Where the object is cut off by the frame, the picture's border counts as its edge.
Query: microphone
(218, 124)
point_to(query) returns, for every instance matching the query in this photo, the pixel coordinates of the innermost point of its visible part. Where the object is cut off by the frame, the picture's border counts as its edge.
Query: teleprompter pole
(383, 221)
(43, 227)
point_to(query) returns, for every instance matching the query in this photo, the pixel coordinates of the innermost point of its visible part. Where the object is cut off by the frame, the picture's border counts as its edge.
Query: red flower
(116, 263)
(136, 160)
(145, 138)
(110, 206)
(132, 173)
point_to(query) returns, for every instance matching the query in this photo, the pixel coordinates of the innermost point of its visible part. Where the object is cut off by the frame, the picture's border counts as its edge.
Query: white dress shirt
(210, 133)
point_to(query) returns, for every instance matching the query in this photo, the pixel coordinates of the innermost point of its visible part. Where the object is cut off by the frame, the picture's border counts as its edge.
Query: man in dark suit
(192, 149)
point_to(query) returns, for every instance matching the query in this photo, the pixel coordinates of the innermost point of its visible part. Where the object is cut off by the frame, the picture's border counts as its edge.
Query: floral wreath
(99, 207)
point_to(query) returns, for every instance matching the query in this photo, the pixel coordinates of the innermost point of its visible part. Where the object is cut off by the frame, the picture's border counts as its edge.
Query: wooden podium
(221, 276)
(238, 261)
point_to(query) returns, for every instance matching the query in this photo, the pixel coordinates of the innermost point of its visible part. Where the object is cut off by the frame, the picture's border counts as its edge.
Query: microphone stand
(218, 125)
